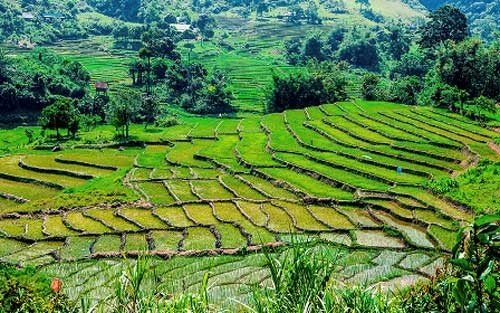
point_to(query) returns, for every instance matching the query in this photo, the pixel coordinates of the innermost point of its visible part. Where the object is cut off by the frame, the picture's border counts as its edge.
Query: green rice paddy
(229, 186)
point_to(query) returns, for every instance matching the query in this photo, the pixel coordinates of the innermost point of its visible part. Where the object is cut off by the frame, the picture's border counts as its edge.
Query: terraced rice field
(231, 186)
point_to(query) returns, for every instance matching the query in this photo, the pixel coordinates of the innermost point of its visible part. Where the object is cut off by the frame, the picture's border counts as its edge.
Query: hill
(483, 15)
(351, 174)
(53, 20)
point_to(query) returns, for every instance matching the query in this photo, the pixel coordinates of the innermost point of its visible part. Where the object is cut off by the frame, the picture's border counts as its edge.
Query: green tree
(146, 53)
(370, 86)
(296, 14)
(406, 90)
(397, 40)
(62, 114)
(479, 107)
(313, 48)
(293, 51)
(216, 97)
(206, 24)
(413, 63)
(334, 40)
(363, 3)
(360, 49)
(121, 32)
(122, 110)
(150, 110)
(446, 23)
(161, 43)
(312, 13)
(3, 65)
(470, 66)
(476, 258)
(320, 84)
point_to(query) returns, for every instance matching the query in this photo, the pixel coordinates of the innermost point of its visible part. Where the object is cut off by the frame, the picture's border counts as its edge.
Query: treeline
(438, 64)
(168, 78)
(445, 68)
(45, 22)
(483, 15)
(31, 82)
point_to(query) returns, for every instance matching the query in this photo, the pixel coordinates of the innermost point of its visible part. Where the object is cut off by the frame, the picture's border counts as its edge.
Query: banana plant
(476, 258)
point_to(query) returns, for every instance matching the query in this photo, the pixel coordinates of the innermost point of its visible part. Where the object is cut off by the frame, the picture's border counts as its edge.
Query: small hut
(27, 16)
(101, 88)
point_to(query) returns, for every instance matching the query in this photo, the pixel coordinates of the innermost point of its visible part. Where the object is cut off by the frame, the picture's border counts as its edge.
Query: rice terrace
(162, 156)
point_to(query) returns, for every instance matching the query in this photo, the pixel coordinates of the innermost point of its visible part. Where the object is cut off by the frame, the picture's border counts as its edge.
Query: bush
(25, 290)
(370, 87)
(441, 185)
(406, 90)
(166, 121)
(321, 84)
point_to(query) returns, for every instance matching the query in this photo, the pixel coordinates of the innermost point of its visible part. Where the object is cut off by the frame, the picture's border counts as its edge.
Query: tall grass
(302, 282)
(139, 290)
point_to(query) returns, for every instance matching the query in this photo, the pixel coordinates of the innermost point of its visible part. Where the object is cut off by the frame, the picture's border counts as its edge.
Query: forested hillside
(47, 21)
(483, 15)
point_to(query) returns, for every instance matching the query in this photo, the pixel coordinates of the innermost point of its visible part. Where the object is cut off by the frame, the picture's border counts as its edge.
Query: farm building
(101, 87)
(181, 28)
(53, 16)
(27, 16)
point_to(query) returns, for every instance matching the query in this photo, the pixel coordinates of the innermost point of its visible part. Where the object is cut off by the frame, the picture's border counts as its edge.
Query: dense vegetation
(139, 173)
(301, 278)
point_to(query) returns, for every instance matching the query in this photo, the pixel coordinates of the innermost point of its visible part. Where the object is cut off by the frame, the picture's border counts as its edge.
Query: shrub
(166, 121)
(323, 83)
(470, 282)
(25, 290)
(370, 87)
(441, 185)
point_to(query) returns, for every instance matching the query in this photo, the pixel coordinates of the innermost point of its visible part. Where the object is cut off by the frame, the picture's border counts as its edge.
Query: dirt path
(494, 146)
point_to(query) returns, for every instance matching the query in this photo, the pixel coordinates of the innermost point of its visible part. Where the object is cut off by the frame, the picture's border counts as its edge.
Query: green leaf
(460, 292)
(487, 270)
(490, 284)
(486, 219)
(462, 263)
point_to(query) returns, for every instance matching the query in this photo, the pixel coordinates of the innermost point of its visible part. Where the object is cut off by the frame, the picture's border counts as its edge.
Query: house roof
(101, 85)
(27, 16)
(52, 15)
(181, 27)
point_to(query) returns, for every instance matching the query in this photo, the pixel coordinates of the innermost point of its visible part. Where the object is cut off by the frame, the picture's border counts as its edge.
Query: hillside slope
(483, 15)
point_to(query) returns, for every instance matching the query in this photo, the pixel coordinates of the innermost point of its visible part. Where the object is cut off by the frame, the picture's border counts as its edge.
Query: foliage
(446, 23)
(476, 258)
(122, 110)
(475, 188)
(412, 63)
(62, 114)
(370, 87)
(166, 121)
(150, 110)
(137, 289)
(323, 83)
(300, 280)
(480, 15)
(26, 290)
(471, 66)
(405, 90)
(216, 97)
(359, 48)
(32, 82)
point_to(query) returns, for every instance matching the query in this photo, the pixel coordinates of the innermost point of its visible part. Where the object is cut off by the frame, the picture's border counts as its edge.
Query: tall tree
(62, 114)
(471, 67)
(314, 48)
(446, 23)
(122, 110)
